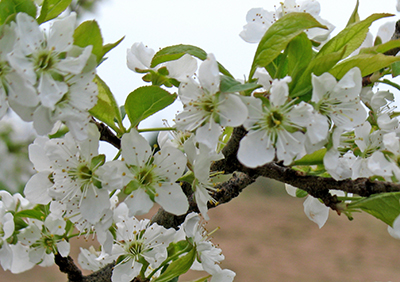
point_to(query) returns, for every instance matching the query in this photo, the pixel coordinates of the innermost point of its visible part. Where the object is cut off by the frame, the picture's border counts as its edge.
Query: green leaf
(108, 47)
(299, 55)
(175, 52)
(351, 37)
(354, 18)
(382, 48)
(187, 177)
(317, 66)
(177, 247)
(178, 267)
(35, 213)
(88, 33)
(395, 69)
(312, 159)
(11, 7)
(145, 101)
(385, 206)
(367, 63)
(279, 35)
(51, 9)
(300, 193)
(106, 109)
(97, 161)
(231, 85)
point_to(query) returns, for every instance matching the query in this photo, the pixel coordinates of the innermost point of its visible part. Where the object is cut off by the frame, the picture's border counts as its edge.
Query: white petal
(139, 56)
(29, 32)
(209, 74)
(135, 149)
(124, 272)
(50, 90)
(255, 149)
(209, 134)
(36, 190)
(42, 120)
(170, 163)
(171, 197)
(75, 65)
(21, 90)
(182, 68)
(321, 85)
(63, 248)
(20, 261)
(316, 211)
(61, 33)
(233, 112)
(94, 203)
(138, 202)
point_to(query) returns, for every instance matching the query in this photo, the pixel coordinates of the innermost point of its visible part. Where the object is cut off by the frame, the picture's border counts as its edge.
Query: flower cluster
(44, 77)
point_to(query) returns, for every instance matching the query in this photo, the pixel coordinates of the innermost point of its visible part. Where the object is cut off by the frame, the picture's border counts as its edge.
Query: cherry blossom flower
(340, 101)
(205, 109)
(208, 255)
(275, 128)
(72, 167)
(148, 178)
(258, 22)
(45, 239)
(137, 241)
(49, 62)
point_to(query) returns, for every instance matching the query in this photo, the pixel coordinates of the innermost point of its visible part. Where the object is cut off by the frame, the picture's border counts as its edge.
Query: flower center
(45, 61)
(274, 119)
(135, 249)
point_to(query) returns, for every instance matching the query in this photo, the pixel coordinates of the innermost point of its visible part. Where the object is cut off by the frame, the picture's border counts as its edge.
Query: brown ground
(265, 236)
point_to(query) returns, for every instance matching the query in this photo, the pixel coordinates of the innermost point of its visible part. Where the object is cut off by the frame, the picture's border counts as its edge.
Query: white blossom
(148, 178)
(340, 101)
(205, 109)
(275, 128)
(138, 240)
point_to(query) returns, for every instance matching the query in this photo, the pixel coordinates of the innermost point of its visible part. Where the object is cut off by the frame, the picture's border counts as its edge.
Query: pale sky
(209, 24)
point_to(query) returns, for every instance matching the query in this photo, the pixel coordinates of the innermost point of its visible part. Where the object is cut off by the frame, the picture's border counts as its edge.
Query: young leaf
(382, 48)
(299, 55)
(172, 53)
(145, 101)
(231, 85)
(11, 7)
(178, 267)
(108, 47)
(106, 109)
(312, 159)
(351, 37)
(367, 63)
(317, 66)
(88, 33)
(51, 9)
(279, 35)
(35, 213)
(396, 69)
(385, 206)
(354, 16)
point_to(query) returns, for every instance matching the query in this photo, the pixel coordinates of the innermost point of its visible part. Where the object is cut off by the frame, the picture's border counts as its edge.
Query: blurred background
(264, 233)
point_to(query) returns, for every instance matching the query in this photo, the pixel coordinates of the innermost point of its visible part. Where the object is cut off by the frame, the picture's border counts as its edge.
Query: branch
(107, 135)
